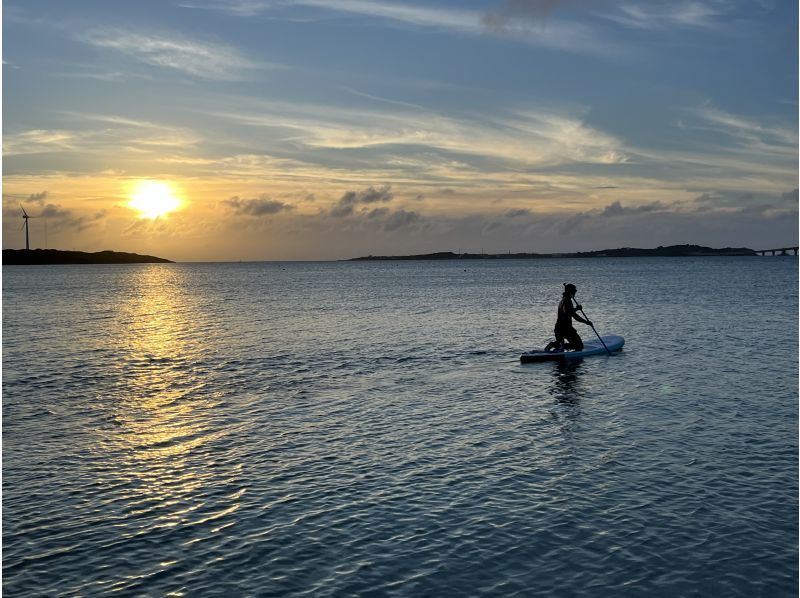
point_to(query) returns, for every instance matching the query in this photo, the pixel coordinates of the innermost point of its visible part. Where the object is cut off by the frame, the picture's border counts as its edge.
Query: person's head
(570, 289)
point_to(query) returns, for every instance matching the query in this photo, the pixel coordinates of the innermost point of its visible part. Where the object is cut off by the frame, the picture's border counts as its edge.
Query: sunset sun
(153, 199)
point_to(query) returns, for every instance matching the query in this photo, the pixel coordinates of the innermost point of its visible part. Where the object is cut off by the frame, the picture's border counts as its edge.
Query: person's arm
(575, 309)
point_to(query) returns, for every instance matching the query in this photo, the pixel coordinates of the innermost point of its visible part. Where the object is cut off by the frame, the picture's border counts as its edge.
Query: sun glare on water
(153, 199)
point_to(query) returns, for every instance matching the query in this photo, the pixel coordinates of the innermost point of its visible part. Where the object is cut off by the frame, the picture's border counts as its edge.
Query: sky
(225, 130)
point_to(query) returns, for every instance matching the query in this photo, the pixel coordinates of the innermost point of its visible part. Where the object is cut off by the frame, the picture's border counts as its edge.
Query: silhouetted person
(564, 330)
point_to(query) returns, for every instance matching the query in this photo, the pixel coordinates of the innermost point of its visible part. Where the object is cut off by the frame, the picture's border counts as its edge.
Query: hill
(20, 257)
(670, 251)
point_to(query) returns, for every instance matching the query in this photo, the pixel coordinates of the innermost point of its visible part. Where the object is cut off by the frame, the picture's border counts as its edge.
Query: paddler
(564, 330)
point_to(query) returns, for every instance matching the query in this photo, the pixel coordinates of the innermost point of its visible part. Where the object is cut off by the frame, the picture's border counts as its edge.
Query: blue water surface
(366, 429)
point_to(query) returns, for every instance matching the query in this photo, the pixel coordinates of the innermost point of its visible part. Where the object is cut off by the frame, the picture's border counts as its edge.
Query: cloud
(239, 8)
(108, 76)
(206, 60)
(439, 144)
(377, 213)
(37, 141)
(145, 227)
(262, 206)
(58, 218)
(559, 35)
(517, 213)
(614, 209)
(744, 201)
(617, 209)
(373, 195)
(101, 134)
(728, 152)
(361, 213)
(756, 208)
(531, 21)
(573, 223)
(341, 210)
(84, 222)
(38, 197)
(532, 10)
(402, 219)
(778, 138)
(791, 196)
(454, 19)
(346, 204)
(666, 14)
(56, 212)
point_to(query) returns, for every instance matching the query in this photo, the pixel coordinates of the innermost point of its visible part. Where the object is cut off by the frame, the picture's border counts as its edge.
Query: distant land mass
(670, 251)
(27, 257)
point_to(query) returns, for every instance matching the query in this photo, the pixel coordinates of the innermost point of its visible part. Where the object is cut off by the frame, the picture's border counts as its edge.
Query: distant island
(27, 257)
(670, 251)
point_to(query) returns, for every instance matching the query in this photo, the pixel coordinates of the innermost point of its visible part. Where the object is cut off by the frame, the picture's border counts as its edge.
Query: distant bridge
(782, 250)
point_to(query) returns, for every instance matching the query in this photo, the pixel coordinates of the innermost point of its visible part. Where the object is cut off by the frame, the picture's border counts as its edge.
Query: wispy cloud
(206, 60)
(617, 209)
(547, 155)
(239, 8)
(122, 131)
(97, 133)
(37, 141)
(102, 75)
(658, 15)
(568, 36)
(516, 139)
(447, 18)
(534, 21)
(748, 130)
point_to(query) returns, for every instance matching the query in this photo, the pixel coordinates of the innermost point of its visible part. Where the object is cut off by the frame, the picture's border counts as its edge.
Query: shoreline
(661, 251)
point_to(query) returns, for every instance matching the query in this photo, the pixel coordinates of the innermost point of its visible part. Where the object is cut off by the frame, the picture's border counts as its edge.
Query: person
(564, 330)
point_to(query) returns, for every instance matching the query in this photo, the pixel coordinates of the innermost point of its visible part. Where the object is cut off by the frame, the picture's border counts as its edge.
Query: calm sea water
(366, 429)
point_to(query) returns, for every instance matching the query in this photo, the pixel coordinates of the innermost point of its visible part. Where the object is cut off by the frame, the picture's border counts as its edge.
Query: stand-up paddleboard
(591, 346)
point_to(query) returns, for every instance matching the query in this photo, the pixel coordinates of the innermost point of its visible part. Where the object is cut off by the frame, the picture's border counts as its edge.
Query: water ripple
(356, 429)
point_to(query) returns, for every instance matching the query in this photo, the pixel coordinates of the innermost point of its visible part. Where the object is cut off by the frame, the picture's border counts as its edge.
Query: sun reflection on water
(165, 442)
(164, 408)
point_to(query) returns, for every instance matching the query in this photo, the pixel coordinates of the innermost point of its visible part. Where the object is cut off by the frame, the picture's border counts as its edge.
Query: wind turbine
(25, 224)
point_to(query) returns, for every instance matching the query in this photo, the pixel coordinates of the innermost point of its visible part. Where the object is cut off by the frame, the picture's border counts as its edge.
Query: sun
(153, 199)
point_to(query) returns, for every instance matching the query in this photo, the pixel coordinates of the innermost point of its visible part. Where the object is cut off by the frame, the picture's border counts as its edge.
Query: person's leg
(554, 345)
(559, 343)
(575, 342)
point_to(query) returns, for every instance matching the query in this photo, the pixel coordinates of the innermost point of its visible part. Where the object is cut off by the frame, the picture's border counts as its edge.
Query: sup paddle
(595, 329)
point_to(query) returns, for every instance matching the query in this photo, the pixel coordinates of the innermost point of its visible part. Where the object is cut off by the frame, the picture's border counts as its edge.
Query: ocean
(366, 429)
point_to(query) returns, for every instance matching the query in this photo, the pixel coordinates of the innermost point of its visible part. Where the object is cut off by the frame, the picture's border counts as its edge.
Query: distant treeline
(670, 251)
(24, 257)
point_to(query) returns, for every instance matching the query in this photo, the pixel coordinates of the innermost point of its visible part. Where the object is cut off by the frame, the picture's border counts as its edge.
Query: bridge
(782, 250)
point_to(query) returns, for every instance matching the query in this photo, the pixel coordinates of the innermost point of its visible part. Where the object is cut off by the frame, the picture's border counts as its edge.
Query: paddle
(593, 328)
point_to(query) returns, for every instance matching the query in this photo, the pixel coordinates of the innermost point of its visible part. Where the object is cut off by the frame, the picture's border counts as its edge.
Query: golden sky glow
(153, 199)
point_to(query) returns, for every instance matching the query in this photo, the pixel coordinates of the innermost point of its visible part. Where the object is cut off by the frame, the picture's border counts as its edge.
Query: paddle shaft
(595, 331)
